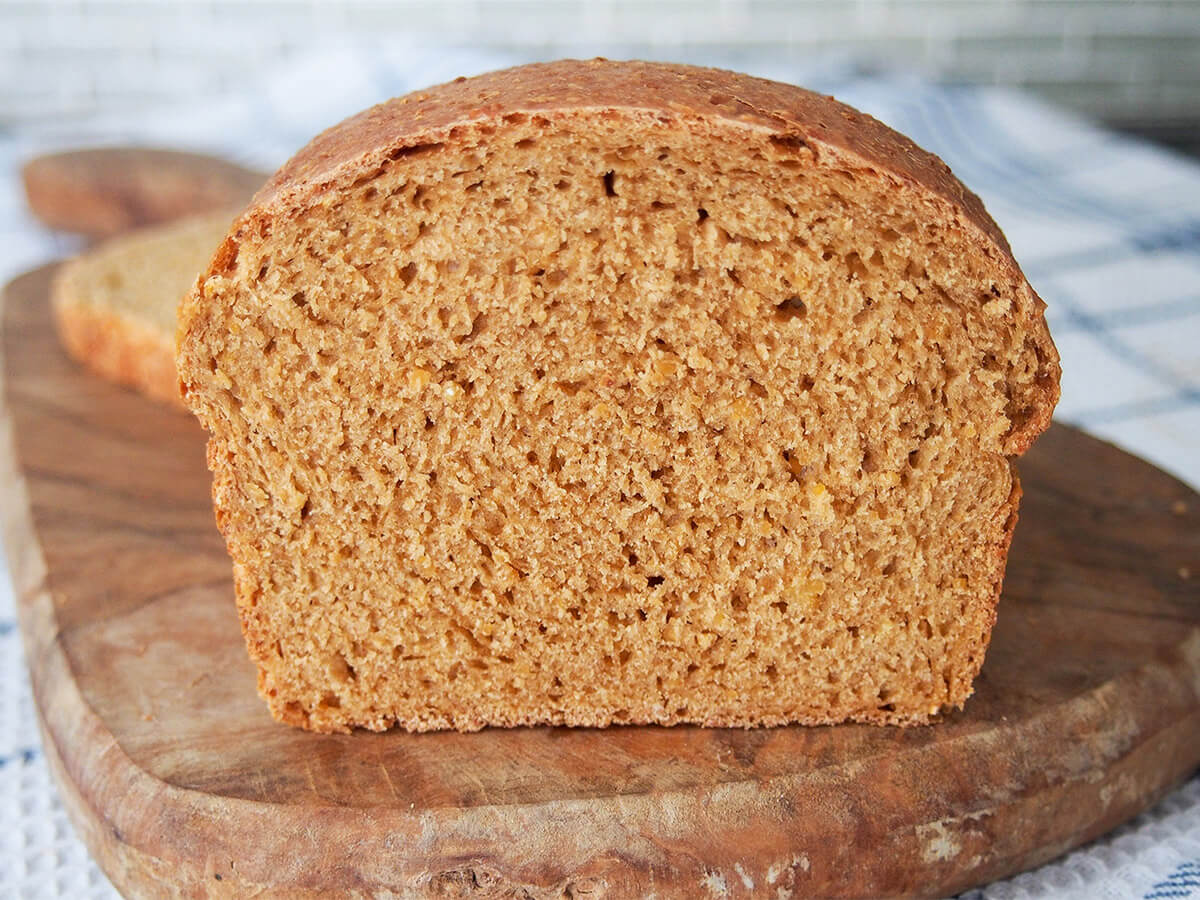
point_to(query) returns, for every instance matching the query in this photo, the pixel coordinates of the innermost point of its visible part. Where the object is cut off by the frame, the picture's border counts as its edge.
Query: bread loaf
(598, 392)
(114, 306)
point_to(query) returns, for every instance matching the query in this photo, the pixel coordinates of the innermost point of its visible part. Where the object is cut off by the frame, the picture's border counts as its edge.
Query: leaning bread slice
(598, 392)
(115, 306)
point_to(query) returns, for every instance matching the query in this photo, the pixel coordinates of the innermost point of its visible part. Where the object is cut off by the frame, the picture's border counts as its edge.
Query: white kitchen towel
(1106, 227)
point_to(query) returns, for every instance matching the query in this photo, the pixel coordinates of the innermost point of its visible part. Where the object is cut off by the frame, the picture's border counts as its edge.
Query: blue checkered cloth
(1107, 228)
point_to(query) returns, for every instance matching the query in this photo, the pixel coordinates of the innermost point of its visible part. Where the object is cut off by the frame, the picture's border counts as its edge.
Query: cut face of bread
(595, 393)
(114, 306)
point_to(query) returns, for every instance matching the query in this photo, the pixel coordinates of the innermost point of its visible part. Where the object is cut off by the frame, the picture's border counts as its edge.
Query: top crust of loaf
(697, 98)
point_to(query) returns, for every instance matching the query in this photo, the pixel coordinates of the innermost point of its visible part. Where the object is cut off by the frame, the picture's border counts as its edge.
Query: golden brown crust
(835, 133)
(999, 558)
(789, 114)
(116, 347)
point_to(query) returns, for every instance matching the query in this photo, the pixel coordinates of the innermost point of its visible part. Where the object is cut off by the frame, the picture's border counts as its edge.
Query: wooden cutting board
(1087, 710)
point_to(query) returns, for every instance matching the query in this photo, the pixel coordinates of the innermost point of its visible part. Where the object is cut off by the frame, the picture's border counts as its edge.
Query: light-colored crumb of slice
(114, 306)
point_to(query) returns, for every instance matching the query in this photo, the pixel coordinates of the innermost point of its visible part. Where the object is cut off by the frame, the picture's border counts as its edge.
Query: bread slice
(596, 392)
(104, 191)
(115, 306)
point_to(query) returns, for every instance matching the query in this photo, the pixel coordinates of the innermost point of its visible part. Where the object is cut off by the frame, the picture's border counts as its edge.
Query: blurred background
(1133, 64)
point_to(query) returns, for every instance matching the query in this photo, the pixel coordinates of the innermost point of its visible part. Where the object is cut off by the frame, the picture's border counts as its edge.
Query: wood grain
(1087, 710)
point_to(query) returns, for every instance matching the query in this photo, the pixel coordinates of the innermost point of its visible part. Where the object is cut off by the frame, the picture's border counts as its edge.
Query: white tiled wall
(1125, 60)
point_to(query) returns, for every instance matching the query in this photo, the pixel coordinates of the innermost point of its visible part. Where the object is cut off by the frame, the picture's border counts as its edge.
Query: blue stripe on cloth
(1079, 259)
(1044, 181)
(7, 627)
(984, 157)
(1135, 409)
(1183, 882)
(24, 756)
(1093, 325)
(983, 154)
(1129, 316)
(1179, 236)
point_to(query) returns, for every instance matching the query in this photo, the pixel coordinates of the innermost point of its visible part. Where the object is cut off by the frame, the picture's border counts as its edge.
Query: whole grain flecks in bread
(114, 306)
(103, 191)
(597, 392)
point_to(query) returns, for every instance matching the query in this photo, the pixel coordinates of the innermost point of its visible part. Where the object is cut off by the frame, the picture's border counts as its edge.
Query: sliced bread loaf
(115, 306)
(598, 392)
